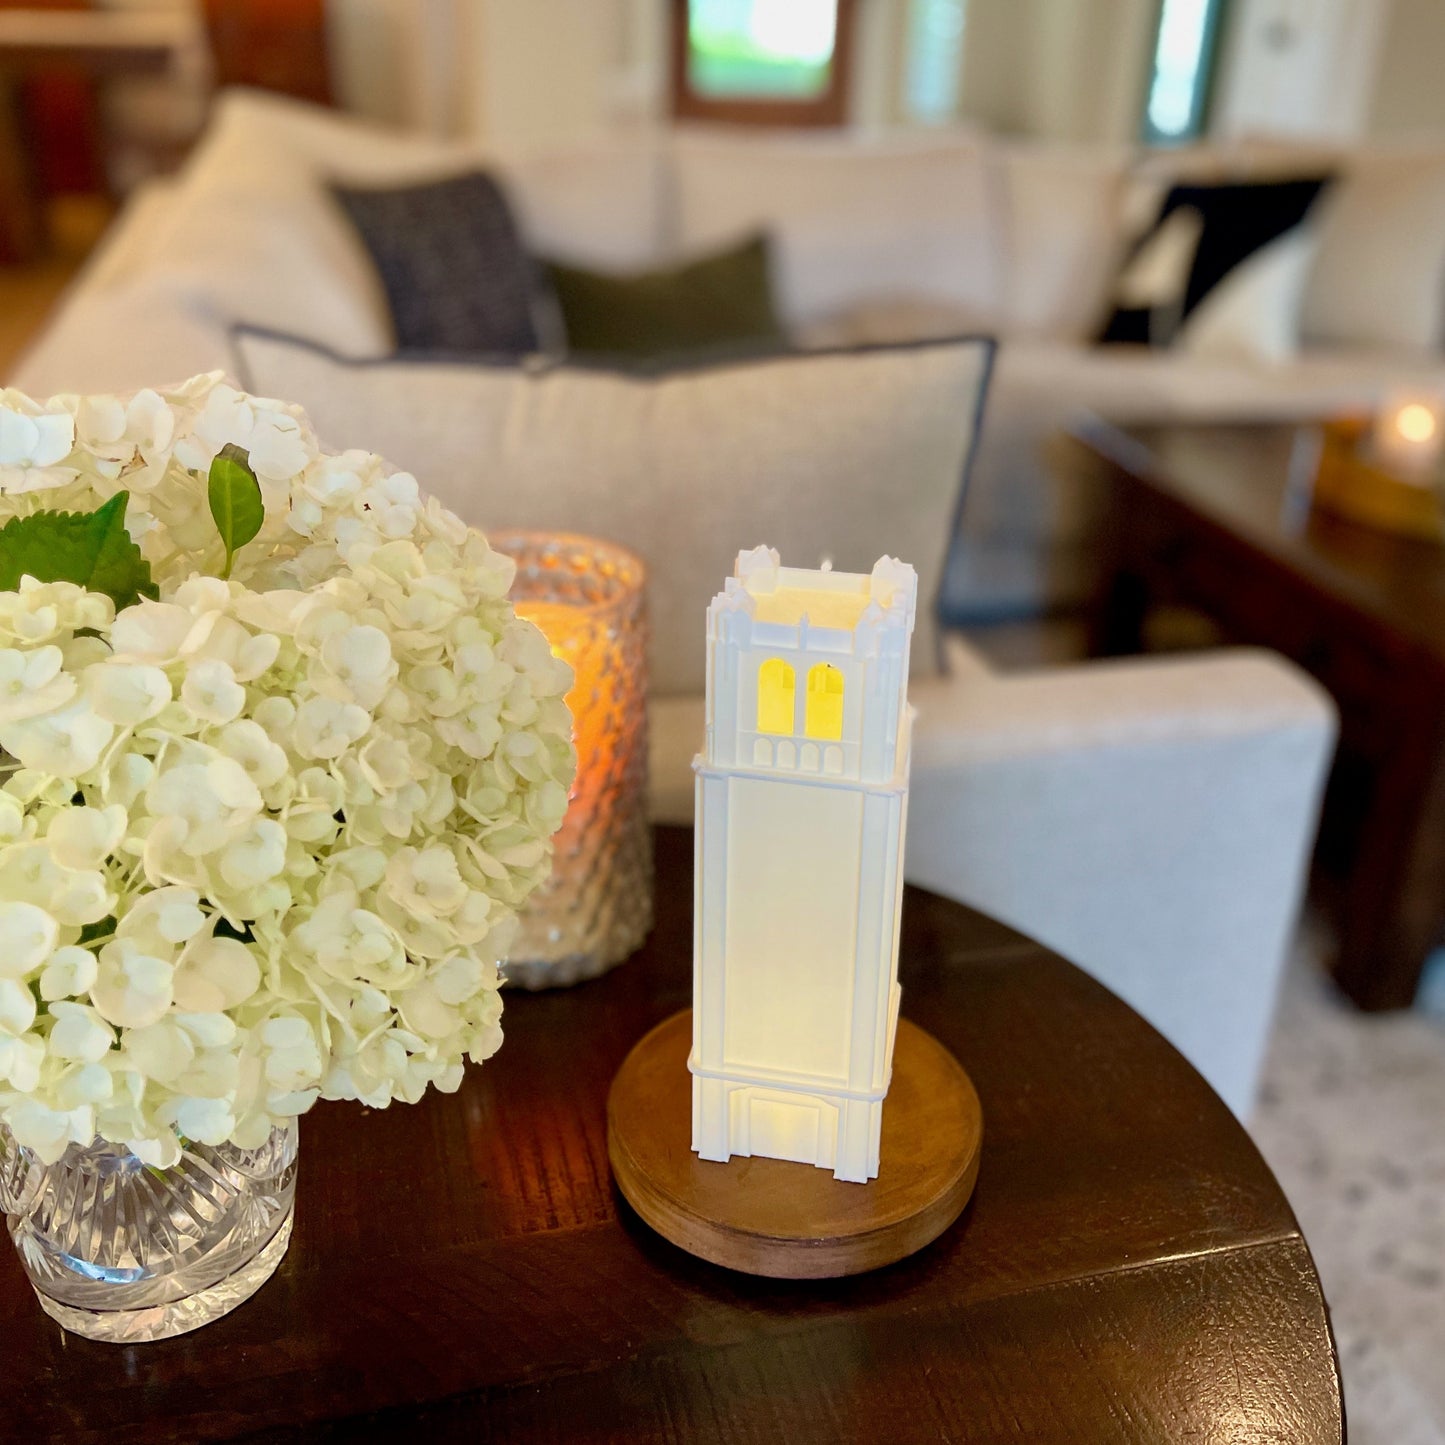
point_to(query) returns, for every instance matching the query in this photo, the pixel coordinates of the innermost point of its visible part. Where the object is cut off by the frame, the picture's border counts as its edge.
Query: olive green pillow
(713, 304)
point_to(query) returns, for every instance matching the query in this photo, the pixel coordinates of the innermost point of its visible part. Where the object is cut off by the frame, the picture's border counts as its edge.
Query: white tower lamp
(802, 796)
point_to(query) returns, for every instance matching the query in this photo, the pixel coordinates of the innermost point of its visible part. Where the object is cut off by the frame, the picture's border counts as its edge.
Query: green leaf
(91, 549)
(235, 498)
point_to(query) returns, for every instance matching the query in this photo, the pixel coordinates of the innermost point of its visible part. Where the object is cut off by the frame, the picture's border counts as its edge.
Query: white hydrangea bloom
(263, 840)
(33, 441)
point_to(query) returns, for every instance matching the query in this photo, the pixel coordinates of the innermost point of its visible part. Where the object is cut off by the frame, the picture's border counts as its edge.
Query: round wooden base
(794, 1221)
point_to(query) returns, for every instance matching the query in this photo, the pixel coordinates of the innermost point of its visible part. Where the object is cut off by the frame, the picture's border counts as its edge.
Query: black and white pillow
(451, 260)
(1208, 242)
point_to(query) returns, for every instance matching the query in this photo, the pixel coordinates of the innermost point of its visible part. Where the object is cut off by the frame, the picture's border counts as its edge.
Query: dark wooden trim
(22, 226)
(828, 109)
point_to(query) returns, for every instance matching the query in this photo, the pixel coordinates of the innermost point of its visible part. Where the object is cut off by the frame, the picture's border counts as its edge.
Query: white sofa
(1150, 820)
(874, 239)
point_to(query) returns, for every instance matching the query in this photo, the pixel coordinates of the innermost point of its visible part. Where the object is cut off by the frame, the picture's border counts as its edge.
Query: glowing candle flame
(1416, 422)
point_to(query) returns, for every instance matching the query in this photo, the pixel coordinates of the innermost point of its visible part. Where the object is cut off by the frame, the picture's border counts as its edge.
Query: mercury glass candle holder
(588, 597)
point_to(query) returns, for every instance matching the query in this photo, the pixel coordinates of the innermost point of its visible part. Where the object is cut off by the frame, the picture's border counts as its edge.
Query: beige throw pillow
(1379, 275)
(847, 455)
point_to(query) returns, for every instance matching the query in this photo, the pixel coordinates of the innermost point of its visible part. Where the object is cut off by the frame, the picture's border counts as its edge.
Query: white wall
(875, 96)
(550, 70)
(390, 60)
(1409, 96)
(1301, 67)
(1091, 74)
(1074, 72)
(510, 71)
(533, 71)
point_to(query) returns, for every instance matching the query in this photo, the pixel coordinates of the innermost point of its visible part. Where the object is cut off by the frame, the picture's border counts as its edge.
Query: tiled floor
(1352, 1120)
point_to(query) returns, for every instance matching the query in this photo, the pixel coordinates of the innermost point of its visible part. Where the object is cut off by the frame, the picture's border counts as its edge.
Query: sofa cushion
(451, 262)
(1063, 223)
(888, 323)
(252, 234)
(255, 235)
(852, 221)
(1379, 275)
(713, 301)
(120, 339)
(595, 202)
(839, 454)
(274, 254)
(599, 204)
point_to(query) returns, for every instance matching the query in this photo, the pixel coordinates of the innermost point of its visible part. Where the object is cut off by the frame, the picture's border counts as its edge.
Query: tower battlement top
(768, 592)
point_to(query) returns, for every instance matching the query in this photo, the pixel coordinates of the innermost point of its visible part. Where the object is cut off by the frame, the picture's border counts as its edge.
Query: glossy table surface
(1128, 1269)
(1256, 482)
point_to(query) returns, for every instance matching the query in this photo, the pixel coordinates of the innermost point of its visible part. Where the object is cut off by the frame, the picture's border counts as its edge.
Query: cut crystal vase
(117, 1250)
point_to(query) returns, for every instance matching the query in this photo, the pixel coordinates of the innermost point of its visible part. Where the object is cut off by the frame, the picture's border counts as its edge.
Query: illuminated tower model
(802, 796)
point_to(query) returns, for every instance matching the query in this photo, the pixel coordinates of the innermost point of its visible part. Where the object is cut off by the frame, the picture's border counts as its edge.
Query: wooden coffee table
(1127, 1270)
(1219, 518)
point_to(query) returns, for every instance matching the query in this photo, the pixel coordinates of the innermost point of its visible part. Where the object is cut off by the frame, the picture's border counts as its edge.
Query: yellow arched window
(777, 687)
(825, 702)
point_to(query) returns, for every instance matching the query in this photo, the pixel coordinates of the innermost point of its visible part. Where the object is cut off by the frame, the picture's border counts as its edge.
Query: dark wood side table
(1128, 1269)
(1219, 518)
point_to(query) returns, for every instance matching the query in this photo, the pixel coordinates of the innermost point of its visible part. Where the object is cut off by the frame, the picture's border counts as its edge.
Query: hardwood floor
(28, 293)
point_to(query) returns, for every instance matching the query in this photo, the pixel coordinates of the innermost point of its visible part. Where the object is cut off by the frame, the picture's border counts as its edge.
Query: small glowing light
(1409, 438)
(1416, 422)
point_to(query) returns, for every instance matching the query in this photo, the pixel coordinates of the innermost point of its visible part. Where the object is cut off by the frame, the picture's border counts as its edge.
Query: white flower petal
(68, 973)
(80, 837)
(79, 1033)
(28, 934)
(55, 436)
(17, 1007)
(132, 989)
(65, 743)
(126, 693)
(46, 1132)
(215, 974)
(161, 1051)
(207, 1121)
(212, 692)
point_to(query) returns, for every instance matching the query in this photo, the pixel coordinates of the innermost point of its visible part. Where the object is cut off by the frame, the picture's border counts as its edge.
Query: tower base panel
(794, 1221)
(828, 1131)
